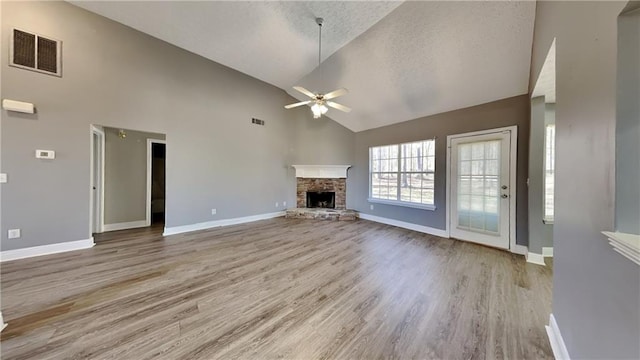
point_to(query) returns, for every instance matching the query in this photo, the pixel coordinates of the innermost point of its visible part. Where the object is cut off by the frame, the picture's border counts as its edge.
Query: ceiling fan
(320, 101)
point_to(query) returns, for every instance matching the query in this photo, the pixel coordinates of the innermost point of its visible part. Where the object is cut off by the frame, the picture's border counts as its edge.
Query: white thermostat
(45, 154)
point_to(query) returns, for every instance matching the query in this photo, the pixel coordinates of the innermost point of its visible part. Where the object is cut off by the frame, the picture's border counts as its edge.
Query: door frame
(95, 130)
(512, 179)
(150, 143)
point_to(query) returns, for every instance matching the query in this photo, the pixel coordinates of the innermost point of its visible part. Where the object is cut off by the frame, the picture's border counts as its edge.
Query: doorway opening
(156, 188)
(127, 179)
(542, 134)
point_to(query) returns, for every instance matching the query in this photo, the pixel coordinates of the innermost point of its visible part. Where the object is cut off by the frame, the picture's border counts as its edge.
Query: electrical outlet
(213, 211)
(284, 204)
(371, 206)
(276, 204)
(3, 178)
(13, 233)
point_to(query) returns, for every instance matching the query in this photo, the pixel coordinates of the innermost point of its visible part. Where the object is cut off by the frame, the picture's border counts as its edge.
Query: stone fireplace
(321, 193)
(337, 186)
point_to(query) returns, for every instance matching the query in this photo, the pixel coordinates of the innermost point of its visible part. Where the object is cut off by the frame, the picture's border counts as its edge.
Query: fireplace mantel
(321, 171)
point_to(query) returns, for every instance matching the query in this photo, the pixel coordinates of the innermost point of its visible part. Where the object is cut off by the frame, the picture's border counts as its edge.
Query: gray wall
(125, 175)
(507, 112)
(596, 291)
(540, 234)
(121, 78)
(628, 125)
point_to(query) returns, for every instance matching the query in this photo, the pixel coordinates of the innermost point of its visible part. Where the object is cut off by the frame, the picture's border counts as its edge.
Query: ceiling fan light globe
(323, 109)
(317, 111)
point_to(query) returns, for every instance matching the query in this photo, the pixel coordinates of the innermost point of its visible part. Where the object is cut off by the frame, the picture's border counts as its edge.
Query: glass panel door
(480, 188)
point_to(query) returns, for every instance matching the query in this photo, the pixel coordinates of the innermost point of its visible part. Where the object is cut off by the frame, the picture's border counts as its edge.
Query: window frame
(546, 156)
(399, 174)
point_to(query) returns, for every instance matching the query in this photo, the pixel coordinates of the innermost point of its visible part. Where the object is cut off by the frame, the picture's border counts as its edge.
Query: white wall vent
(35, 52)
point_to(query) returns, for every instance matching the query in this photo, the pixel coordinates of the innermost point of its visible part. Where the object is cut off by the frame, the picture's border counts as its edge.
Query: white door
(480, 188)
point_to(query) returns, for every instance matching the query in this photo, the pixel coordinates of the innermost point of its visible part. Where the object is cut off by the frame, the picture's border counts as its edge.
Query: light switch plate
(3, 178)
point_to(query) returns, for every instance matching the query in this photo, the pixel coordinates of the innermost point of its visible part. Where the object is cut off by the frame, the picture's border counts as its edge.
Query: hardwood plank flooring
(281, 288)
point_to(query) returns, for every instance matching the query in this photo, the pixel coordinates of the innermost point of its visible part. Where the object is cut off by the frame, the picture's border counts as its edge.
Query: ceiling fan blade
(335, 93)
(305, 91)
(290, 106)
(338, 106)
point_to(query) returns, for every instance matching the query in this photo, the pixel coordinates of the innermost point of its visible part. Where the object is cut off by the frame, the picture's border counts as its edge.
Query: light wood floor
(296, 289)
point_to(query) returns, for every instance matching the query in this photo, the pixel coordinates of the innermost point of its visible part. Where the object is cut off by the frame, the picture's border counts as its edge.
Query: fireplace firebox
(321, 199)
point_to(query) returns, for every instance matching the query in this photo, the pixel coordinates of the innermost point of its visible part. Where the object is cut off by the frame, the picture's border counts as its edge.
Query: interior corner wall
(118, 77)
(596, 291)
(125, 175)
(501, 113)
(321, 142)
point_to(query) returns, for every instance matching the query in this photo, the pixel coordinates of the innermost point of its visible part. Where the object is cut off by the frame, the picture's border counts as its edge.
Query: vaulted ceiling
(399, 60)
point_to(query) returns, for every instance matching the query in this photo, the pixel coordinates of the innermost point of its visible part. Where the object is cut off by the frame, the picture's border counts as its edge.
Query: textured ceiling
(430, 57)
(276, 42)
(546, 83)
(400, 61)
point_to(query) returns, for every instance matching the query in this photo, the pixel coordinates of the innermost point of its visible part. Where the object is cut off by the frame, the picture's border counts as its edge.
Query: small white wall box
(18, 106)
(45, 154)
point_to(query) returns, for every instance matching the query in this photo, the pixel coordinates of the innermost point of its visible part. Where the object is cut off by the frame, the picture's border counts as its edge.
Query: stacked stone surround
(339, 186)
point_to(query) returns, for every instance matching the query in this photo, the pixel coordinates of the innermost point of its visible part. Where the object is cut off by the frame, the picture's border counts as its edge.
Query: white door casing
(96, 222)
(481, 183)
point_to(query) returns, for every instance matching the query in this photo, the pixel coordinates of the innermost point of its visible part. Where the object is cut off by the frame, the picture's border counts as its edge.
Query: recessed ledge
(321, 171)
(627, 245)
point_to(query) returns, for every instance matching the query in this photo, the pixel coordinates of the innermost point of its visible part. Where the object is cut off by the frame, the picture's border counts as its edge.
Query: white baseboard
(534, 258)
(125, 225)
(2, 323)
(218, 223)
(45, 249)
(520, 249)
(555, 339)
(406, 225)
(547, 251)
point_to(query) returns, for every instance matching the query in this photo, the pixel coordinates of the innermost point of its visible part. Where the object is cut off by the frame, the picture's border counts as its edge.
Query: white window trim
(548, 220)
(403, 203)
(431, 207)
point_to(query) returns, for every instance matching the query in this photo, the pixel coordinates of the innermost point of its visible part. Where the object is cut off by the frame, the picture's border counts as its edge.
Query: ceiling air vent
(35, 52)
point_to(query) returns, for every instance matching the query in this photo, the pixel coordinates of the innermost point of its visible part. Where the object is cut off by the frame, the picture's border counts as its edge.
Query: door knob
(504, 196)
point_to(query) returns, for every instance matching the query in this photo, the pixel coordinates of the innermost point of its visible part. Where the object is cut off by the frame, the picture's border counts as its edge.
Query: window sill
(403, 204)
(548, 221)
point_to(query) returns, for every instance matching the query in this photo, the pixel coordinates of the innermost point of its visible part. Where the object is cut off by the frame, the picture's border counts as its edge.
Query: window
(549, 170)
(403, 174)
